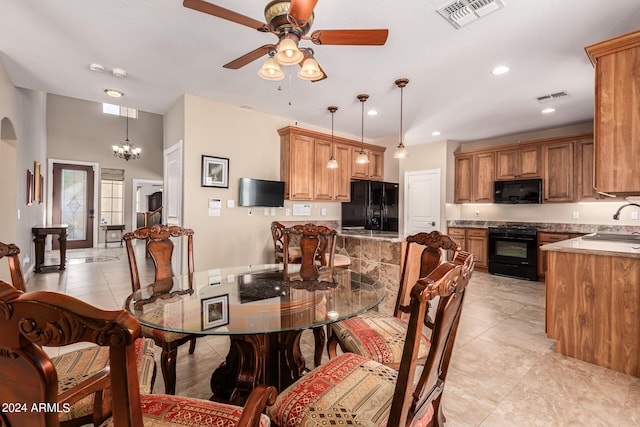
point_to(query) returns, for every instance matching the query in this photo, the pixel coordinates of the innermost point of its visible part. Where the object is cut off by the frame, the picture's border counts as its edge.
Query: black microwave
(518, 191)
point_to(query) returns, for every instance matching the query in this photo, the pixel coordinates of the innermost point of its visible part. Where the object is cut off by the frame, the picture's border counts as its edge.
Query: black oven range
(513, 251)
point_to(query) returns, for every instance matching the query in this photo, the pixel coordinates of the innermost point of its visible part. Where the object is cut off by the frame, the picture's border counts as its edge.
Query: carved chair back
(11, 251)
(317, 244)
(277, 234)
(160, 247)
(34, 319)
(447, 281)
(423, 253)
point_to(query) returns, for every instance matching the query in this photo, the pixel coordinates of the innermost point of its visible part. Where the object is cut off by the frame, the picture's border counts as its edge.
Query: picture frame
(36, 181)
(214, 172)
(30, 190)
(215, 311)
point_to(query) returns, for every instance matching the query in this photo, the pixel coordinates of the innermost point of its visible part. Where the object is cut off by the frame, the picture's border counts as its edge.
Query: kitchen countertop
(595, 247)
(550, 227)
(388, 236)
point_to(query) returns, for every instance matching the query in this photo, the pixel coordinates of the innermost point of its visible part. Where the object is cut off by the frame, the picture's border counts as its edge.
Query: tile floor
(504, 371)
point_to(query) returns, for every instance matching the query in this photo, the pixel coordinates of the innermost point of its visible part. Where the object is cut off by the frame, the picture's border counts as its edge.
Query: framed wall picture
(29, 187)
(215, 172)
(36, 181)
(215, 311)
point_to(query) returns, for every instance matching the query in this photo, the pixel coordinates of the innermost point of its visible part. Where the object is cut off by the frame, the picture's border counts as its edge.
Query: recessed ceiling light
(114, 92)
(435, 133)
(548, 110)
(372, 113)
(500, 69)
(96, 67)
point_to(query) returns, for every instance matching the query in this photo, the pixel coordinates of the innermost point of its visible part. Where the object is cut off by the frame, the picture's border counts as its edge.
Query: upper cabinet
(474, 176)
(565, 165)
(303, 165)
(374, 169)
(617, 114)
(518, 163)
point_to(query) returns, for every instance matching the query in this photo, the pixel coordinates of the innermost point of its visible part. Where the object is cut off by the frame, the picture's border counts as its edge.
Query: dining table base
(273, 359)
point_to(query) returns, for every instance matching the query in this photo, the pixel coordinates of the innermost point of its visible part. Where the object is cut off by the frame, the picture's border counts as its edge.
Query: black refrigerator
(373, 205)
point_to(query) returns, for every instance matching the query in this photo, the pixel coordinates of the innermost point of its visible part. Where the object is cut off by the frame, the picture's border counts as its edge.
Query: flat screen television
(260, 192)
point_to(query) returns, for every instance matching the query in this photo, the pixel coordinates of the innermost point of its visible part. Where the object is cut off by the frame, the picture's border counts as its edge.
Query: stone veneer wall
(377, 258)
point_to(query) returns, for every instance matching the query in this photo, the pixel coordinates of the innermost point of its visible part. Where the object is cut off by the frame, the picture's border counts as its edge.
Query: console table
(39, 236)
(116, 227)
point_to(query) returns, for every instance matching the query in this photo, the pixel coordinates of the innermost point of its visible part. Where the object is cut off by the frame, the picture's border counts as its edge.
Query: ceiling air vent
(462, 12)
(552, 97)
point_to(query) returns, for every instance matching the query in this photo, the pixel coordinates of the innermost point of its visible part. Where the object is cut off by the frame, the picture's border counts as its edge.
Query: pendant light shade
(288, 53)
(362, 157)
(310, 70)
(271, 70)
(401, 151)
(332, 163)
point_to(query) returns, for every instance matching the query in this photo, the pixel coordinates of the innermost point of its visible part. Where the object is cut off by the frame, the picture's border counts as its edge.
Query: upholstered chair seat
(164, 410)
(347, 390)
(77, 366)
(376, 336)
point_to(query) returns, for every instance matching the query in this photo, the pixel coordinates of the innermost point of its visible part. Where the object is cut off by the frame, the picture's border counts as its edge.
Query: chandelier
(127, 150)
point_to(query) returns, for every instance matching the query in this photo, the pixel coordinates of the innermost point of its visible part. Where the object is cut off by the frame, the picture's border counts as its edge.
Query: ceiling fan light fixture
(288, 53)
(271, 70)
(310, 70)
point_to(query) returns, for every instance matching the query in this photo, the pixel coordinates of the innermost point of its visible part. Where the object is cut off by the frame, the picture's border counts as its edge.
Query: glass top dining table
(264, 310)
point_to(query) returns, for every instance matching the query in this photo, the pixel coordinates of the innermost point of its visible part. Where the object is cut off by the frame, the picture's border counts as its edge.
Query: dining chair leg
(168, 365)
(192, 346)
(320, 338)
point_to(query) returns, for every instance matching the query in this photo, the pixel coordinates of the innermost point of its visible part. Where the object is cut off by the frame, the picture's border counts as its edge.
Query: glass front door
(73, 203)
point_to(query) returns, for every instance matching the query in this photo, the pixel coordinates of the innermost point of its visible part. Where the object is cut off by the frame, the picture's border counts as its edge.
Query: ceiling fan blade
(249, 57)
(221, 12)
(350, 37)
(302, 9)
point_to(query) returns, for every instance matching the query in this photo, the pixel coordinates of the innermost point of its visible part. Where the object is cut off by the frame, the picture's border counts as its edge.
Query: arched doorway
(8, 177)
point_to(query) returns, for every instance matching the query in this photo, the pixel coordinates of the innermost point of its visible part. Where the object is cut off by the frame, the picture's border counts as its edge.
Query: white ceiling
(168, 50)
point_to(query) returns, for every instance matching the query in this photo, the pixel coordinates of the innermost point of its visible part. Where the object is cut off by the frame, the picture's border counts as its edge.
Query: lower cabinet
(546, 237)
(473, 240)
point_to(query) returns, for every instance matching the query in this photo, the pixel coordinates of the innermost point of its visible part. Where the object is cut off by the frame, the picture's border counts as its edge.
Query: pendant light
(401, 151)
(362, 157)
(332, 163)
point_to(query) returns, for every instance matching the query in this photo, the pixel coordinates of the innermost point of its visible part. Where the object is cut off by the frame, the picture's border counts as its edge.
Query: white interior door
(422, 201)
(172, 197)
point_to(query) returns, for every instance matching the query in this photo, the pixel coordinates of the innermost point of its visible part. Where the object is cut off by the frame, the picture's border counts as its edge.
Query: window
(111, 196)
(117, 110)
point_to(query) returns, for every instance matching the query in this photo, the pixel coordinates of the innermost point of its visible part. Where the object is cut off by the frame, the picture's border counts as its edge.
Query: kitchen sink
(613, 237)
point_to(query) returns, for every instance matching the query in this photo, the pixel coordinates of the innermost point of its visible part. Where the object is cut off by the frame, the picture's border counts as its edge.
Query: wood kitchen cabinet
(297, 166)
(584, 171)
(473, 240)
(303, 164)
(474, 176)
(518, 163)
(558, 172)
(546, 237)
(617, 133)
(373, 170)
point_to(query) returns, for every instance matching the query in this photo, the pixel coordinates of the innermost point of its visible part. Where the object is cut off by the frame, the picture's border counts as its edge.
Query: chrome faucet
(616, 215)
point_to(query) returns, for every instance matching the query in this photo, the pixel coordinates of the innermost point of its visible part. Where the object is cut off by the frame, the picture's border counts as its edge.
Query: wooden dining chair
(84, 374)
(277, 235)
(379, 336)
(159, 245)
(30, 380)
(352, 389)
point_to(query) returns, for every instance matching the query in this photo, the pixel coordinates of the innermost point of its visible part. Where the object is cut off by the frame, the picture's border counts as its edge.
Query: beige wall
(22, 141)
(78, 130)
(251, 143)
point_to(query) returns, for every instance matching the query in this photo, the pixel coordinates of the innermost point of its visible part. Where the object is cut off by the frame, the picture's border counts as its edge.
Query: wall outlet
(634, 214)
(266, 211)
(287, 212)
(575, 215)
(476, 212)
(113, 235)
(26, 260)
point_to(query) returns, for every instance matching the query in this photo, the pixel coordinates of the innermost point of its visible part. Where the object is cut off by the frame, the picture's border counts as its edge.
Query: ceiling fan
(290, 21)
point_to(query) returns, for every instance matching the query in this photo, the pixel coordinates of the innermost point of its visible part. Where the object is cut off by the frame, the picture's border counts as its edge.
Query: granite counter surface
(388, 236)
(595, 247)
(549, 226)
